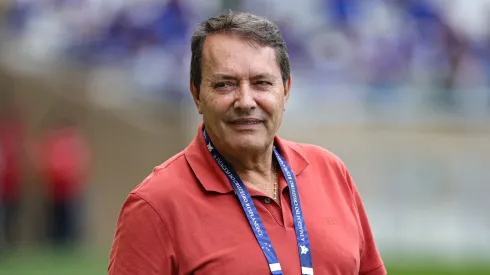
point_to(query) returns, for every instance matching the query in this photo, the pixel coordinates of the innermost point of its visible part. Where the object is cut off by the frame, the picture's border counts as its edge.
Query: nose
(245, 99)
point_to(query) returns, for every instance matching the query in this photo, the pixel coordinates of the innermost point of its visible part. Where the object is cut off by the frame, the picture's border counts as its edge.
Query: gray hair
(253, 28)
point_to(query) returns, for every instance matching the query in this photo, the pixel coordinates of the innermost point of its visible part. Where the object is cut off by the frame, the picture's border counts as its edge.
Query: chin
(246, 142)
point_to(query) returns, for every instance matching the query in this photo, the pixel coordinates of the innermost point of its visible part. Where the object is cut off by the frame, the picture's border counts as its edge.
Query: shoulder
(166, 180)
(317, 155)
(323, 163)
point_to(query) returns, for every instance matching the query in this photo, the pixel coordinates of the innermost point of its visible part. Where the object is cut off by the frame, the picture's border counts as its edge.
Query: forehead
(233, 55)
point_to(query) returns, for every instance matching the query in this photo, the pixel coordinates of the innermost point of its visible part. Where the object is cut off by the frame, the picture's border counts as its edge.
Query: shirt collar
(213, 179)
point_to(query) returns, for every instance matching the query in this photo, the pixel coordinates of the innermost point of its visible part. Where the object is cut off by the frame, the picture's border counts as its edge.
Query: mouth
(247, 121)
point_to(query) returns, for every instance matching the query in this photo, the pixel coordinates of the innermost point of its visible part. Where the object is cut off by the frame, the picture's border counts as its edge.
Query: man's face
(242, 95)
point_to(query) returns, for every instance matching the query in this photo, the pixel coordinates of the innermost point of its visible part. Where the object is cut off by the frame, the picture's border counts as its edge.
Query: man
(64, 163)
(11, 136)
(239, 199)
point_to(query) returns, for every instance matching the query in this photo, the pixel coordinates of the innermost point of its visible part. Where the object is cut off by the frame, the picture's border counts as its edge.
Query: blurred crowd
(380, 45)
(58, 158)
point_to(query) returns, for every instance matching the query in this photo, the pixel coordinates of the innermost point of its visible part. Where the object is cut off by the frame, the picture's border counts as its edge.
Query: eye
(263, 83)
(221, 85)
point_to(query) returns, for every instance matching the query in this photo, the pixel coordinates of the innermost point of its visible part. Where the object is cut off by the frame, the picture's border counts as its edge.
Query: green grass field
(70, 263)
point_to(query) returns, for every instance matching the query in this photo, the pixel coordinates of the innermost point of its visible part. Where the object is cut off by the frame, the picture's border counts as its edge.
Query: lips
(246, 121)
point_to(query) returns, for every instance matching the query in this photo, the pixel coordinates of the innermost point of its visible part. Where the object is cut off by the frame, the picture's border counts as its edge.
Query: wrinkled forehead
(234, 55)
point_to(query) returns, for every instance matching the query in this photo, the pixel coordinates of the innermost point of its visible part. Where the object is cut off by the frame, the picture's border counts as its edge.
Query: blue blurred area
(376, 44)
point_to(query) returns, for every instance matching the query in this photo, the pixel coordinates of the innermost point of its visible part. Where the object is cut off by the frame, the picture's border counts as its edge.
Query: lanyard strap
(254, 218)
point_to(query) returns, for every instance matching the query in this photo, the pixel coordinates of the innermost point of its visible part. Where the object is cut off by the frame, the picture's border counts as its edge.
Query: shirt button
(267, 200)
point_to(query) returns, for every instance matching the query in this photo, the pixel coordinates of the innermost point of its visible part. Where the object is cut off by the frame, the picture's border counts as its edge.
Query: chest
(216, 238)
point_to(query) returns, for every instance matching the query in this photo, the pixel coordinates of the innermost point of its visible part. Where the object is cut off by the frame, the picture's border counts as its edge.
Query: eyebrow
(222, 76)
(264, 76)
(231, 77)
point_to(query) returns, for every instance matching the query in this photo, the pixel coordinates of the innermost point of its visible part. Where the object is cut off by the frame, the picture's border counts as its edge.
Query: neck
(246, 162)
(254, 167)
(249, 162)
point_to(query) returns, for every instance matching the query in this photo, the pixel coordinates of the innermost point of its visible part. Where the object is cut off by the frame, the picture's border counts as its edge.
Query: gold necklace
(276, 181)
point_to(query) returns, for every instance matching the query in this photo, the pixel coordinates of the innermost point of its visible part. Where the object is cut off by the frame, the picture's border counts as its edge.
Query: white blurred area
(399, 89)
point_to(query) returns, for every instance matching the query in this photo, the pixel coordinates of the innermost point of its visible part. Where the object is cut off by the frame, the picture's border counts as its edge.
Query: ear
(287, 90)
(195, 96)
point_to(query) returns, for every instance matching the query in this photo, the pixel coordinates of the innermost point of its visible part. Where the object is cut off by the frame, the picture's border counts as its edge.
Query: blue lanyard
(254, 218)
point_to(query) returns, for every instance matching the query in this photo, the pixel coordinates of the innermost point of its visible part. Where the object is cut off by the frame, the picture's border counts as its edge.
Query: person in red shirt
(10, 174)
(239, 199)
(64, 161)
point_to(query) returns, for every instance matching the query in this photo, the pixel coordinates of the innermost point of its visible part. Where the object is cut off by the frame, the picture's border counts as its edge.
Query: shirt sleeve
(371, 262)
(142, 244)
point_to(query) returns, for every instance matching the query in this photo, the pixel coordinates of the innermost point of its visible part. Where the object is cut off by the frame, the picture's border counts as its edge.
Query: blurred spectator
(342, 13)
(64, 161)
(116, 39)
(172, 24)
(385, 46)
(443, 46)
(10, 173)
(18, 14)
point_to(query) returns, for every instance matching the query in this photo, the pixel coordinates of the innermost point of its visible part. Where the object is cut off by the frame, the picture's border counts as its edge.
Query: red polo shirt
(185, 219)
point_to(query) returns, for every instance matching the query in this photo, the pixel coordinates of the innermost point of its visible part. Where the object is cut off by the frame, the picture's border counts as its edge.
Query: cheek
(217, 105)
(271, 104)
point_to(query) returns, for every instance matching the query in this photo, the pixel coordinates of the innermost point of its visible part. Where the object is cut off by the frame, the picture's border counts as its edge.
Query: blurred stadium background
(399, 89)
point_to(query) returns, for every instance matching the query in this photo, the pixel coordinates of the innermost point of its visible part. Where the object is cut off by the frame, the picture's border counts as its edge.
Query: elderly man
(239, 199)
